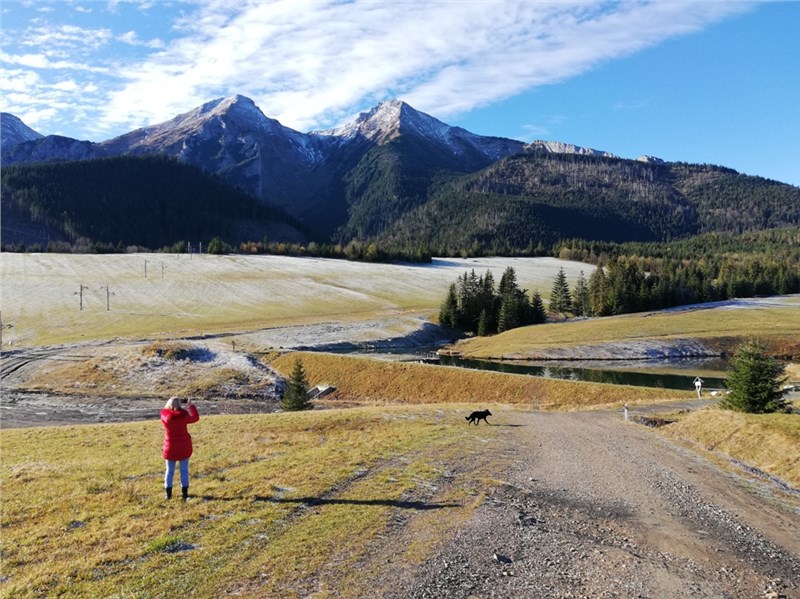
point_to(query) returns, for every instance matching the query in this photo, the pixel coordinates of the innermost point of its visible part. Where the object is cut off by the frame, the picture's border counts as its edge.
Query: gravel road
(591, 506)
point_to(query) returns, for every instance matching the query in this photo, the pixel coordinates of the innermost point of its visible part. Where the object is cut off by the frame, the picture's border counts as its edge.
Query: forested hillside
(534, 200)
(151, 202)
(403, 198)
(393, 179)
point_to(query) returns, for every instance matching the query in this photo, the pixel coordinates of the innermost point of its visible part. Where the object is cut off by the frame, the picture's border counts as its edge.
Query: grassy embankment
(768, 442)
(719, 328)
(368, 381)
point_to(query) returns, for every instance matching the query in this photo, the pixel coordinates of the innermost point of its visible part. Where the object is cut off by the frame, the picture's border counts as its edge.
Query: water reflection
(603, 375)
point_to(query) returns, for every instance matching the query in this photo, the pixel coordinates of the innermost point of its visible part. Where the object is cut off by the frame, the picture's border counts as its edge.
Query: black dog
(477, 416)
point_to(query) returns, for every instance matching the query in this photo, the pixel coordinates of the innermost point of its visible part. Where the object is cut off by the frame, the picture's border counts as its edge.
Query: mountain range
(401, 177)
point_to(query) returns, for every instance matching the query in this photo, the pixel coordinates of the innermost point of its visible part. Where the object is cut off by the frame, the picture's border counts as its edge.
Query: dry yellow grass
(83, 514)
(779, 326)
(371, 381)
(769, 442)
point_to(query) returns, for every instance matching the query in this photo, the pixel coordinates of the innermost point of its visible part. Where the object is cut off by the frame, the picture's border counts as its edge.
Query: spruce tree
(598, 293)
(448, 313)
(508, 282)
(538, 312)
(560, 297)
(580, 297)
(295, 395)
(755, 382)
(483, 324)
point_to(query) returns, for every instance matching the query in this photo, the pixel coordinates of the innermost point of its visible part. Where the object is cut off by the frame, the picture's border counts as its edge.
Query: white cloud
(314, 63)
(309, 63)
(132, 38)
(17, 80)
(66, 86)
(33, 117)
(40, 61)
(65, 36)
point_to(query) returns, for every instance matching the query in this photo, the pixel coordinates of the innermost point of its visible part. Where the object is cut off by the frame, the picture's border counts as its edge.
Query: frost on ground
(58, 298)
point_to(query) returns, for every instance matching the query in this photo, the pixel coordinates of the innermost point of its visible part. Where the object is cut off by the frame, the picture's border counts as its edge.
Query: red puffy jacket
(177, 440)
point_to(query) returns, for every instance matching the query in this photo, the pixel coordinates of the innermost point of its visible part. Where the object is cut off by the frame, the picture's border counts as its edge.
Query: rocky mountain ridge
(232, 138)
(403, 179)
(13, 131)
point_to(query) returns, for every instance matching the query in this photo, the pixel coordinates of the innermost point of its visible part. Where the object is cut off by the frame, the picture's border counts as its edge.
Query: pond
(598, 371)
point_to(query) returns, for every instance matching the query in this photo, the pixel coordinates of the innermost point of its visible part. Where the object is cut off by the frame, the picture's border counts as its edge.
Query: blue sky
(707, 81)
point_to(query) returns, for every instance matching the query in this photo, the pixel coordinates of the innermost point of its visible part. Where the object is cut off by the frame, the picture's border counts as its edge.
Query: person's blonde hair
(173, 403)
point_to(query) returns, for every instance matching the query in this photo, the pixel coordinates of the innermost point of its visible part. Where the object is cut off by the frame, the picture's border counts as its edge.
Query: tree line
(620, 284)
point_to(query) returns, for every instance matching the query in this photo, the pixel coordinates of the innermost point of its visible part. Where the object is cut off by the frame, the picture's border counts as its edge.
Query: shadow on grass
(216, 498)
(511, 425)
(314, 501)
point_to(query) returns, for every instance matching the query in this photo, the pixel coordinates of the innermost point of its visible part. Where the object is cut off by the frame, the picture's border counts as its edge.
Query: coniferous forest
(636, 277)
(112, 203)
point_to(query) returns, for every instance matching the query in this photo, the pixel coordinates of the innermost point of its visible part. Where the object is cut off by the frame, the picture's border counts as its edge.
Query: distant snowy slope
(14, 131)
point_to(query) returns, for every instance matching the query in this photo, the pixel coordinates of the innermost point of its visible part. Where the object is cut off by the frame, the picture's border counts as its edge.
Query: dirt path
(590, 506)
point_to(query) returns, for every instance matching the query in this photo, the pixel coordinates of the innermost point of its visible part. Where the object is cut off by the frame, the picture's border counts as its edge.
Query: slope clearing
(169, 295)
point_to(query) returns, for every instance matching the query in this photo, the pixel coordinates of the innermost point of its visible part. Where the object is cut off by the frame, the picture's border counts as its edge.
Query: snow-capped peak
(392, 118)
(558, 147)
(242, 109)
(379, 124)
(14, 131)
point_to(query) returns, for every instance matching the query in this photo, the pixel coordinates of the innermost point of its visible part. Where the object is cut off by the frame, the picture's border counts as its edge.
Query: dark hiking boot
(167, 492)
(185, 493)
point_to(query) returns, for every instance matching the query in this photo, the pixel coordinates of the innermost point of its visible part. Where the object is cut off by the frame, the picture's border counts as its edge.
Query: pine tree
(295, 396)
(483, 324)
(448, 313)
(598, 293)
(580, 297)
(538, 313)
(560, 297)
(506, 317)
(755, 382)
(508, 282)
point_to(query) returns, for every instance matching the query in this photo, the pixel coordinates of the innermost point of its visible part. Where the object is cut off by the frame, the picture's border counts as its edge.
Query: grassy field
(769, 442)
(83, 513)
(778, 325)
(41, 293)
(279, 502)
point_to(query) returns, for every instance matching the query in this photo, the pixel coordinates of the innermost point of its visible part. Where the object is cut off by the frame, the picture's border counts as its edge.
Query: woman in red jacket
(177, 442)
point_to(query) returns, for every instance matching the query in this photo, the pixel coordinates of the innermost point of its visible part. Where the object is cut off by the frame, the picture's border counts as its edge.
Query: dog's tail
(466, 417)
